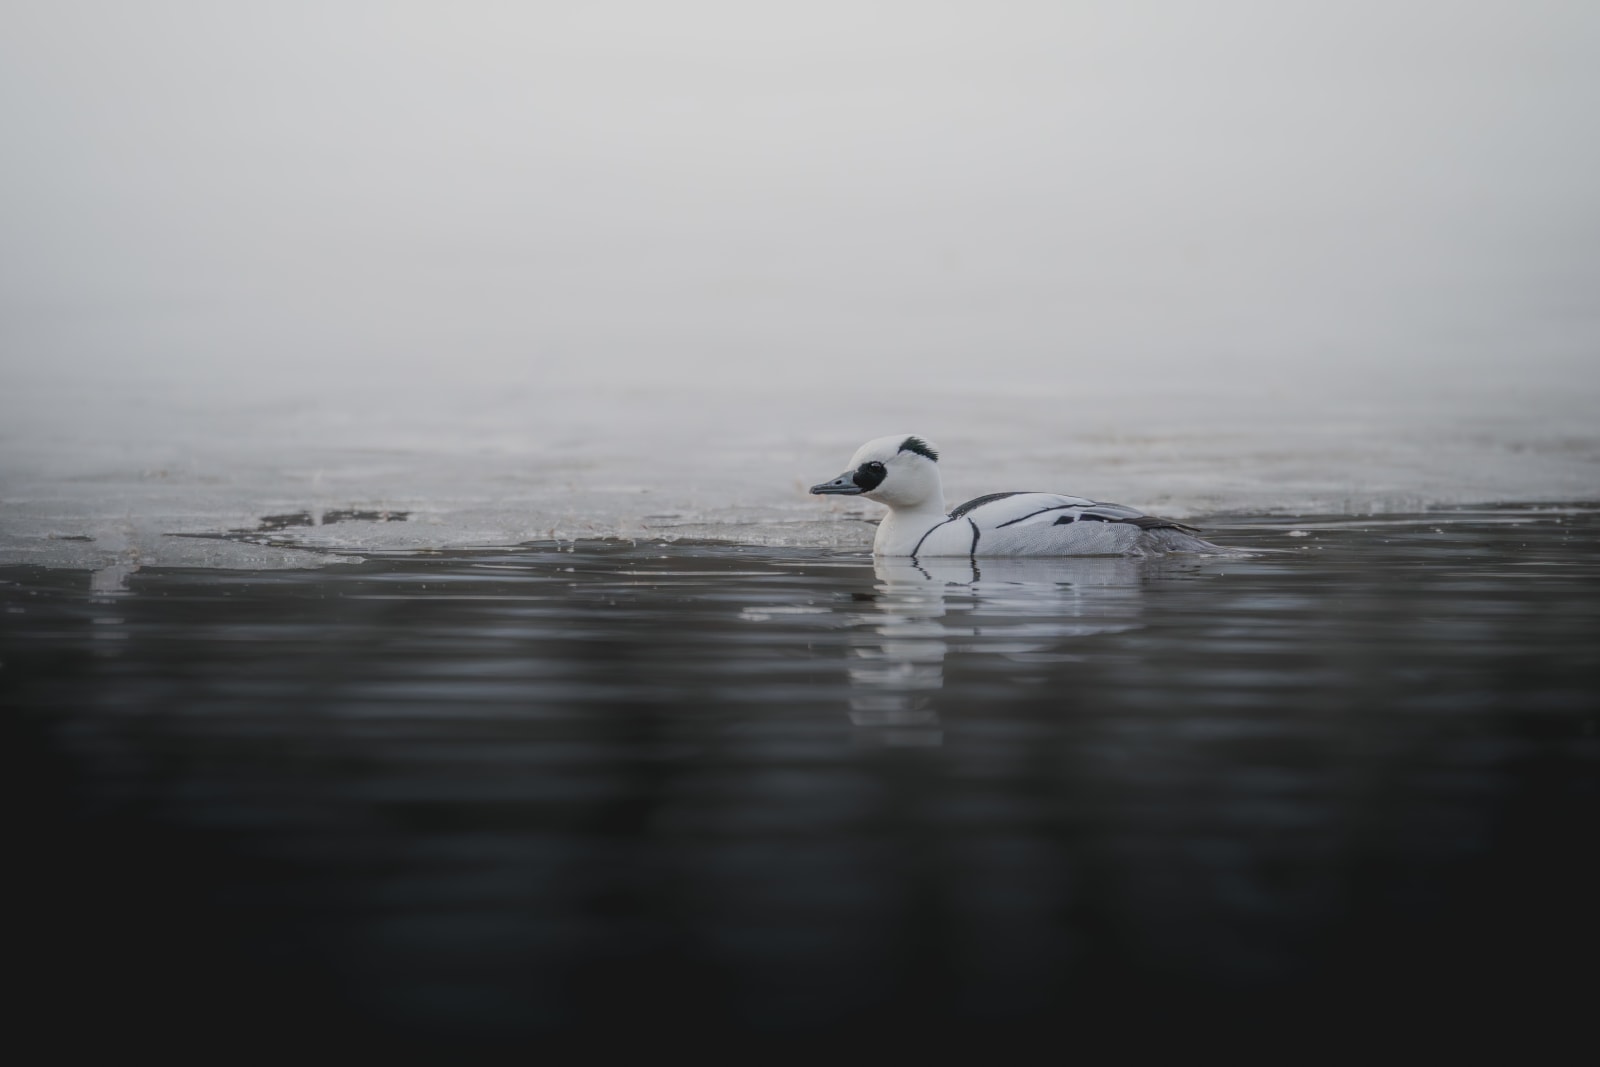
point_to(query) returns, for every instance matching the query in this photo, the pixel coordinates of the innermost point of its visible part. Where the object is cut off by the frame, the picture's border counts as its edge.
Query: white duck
(902, 471)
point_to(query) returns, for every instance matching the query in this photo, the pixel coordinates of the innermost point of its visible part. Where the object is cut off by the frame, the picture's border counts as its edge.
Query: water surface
(488, 797)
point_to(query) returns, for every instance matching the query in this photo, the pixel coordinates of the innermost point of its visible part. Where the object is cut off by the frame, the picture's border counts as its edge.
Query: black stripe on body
(980, 501)
(973, 552)
(925, 536)
(1036, 514)
(1143, 522)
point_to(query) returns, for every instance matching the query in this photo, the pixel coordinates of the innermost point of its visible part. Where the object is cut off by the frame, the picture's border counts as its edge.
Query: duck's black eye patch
(920, 447)
(869, 476)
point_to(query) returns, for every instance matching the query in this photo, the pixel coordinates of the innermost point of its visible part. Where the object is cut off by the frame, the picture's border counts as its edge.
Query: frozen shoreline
(104, 478)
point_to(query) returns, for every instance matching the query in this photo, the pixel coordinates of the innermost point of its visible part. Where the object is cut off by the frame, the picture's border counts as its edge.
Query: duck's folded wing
(1029, 510)
(1119, 513)
(1001, 509)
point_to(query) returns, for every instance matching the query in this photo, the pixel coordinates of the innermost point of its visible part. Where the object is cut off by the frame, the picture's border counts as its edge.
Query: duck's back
(1048, 524)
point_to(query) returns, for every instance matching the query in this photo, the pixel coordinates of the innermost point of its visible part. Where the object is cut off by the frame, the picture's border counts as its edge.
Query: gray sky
(736, 191)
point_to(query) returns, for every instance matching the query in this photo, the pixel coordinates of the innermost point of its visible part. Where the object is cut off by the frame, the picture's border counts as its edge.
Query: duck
(902, 472)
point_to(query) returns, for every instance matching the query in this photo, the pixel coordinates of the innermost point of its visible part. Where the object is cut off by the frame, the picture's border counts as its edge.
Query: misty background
(635, 239)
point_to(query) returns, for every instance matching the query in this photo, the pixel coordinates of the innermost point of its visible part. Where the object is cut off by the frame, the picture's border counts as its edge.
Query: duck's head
(901, 470)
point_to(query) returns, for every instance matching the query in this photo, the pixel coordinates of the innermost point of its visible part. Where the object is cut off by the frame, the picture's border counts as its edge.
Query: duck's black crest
(920, 447)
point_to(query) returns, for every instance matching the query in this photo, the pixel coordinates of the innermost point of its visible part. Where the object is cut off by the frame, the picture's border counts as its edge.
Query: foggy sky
(838, 191)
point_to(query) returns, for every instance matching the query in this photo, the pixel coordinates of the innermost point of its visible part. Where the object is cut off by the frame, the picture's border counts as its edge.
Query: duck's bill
(844, 485)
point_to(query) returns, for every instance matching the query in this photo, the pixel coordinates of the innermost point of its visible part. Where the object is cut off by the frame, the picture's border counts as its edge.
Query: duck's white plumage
(902, 471)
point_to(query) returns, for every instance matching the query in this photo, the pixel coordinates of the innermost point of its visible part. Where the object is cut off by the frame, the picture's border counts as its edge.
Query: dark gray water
(485, 798)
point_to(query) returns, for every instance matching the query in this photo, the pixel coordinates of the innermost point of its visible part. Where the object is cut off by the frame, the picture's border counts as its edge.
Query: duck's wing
(1001, 509)
(985, 501)
(1122, 513)
(1032, 510)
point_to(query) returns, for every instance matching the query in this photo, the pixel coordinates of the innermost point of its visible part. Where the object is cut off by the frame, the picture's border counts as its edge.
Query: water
(483, 798)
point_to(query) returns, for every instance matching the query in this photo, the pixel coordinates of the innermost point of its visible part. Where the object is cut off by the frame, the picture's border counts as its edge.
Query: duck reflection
(899, 649)
(1012, 615)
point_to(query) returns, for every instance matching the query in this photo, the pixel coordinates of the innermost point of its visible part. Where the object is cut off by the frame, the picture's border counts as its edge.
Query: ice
(150, 473)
